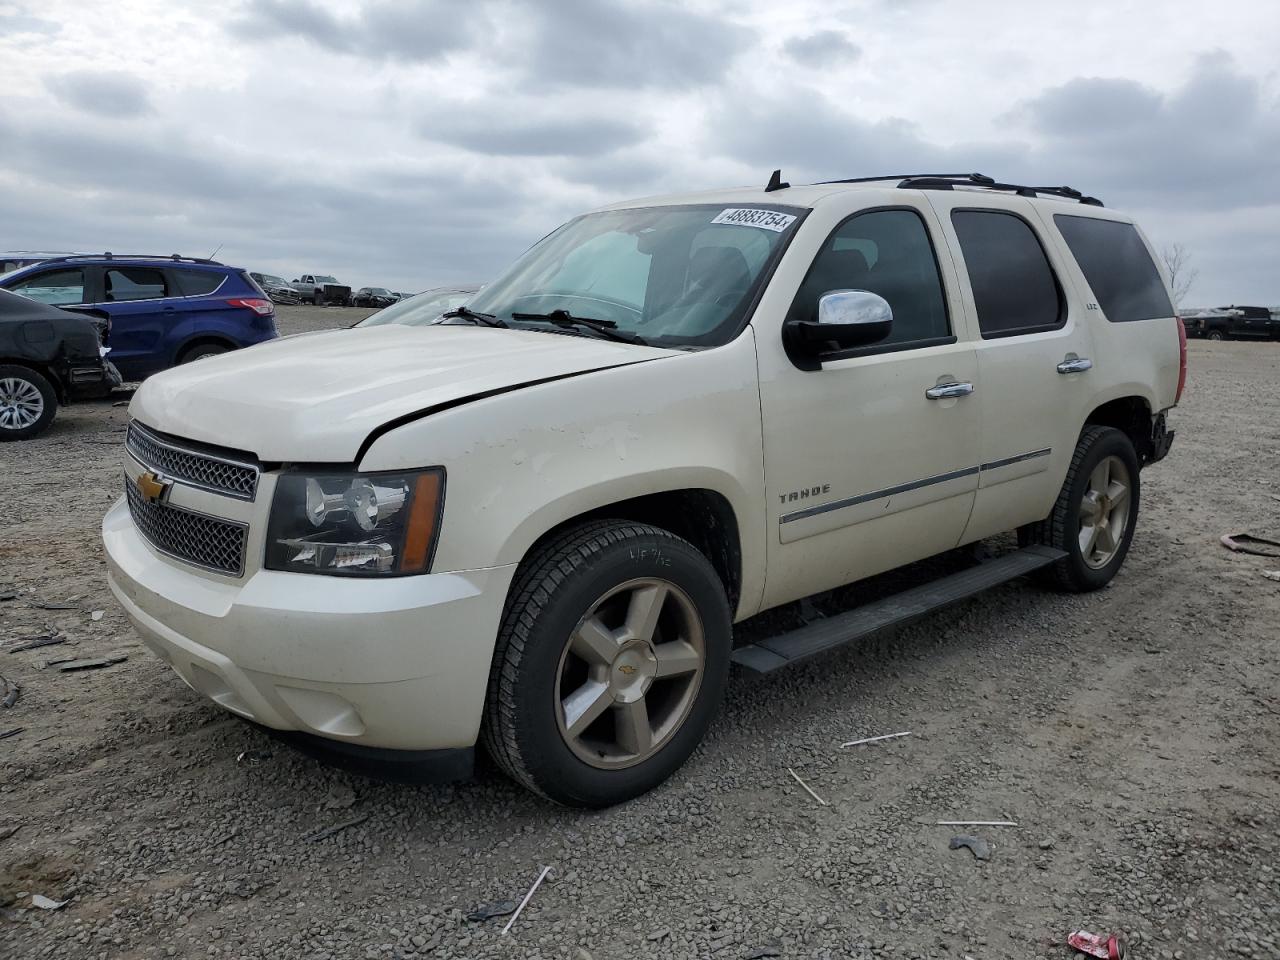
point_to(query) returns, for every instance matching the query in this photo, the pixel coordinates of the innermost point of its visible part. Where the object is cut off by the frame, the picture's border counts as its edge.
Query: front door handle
(1075, 365)
(949, 391)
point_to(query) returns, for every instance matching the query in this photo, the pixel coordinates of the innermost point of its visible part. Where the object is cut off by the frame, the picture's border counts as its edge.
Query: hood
(316, 397)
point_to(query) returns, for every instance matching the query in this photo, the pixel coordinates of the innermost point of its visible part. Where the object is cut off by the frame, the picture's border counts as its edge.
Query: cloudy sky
(410, 143)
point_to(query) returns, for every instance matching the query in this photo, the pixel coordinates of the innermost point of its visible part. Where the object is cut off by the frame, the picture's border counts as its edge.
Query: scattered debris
(53, 663)
(93, 663)
(768, 950)
(336, 828)
(41, 605)
(1271, 574)
(1046, 844)
(527, 897)
(339, 797)
(976, 823)
(1248, 543)
(1105, 946)
(806, 786)
(44, 903)
(7, 832)
(7, 595)
(976, 845)
(887, 736)
(36, 642)
(660, 934)
(253, 756)
(11, 732)
(488, 911)
(96, 615)
(9, 690)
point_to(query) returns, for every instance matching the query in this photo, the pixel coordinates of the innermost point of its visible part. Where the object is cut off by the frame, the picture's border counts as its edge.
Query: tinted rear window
(197, 283)
(1120, 271)
(1014, 288)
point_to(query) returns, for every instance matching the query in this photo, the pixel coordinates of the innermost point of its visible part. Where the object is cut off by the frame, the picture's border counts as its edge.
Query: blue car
(163, 310)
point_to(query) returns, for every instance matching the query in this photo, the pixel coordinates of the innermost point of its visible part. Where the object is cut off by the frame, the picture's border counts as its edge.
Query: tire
(1082, 520)
(1214, 335)
(202, 350)
(28, 402)
(317, 299)
(606, 573)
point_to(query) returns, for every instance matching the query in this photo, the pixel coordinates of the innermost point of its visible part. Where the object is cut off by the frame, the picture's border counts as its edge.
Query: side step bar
(785, 649)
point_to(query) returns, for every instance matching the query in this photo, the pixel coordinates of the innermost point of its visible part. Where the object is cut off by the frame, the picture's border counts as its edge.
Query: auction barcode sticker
(751, 217)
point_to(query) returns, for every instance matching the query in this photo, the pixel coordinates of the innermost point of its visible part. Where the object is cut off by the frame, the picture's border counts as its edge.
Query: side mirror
(848, 318)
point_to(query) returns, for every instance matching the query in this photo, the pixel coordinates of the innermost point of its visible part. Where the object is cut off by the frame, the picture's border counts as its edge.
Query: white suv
(536, 522)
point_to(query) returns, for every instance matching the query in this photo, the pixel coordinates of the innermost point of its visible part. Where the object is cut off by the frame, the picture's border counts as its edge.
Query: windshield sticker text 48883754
(751, 217)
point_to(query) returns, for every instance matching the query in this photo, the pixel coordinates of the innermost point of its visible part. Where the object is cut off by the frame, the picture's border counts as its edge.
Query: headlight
(363, 524)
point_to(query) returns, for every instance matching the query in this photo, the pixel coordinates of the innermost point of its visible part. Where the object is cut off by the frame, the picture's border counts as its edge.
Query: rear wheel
(610, 665)
(1095, 514)
(28, 402)
(1215, 335)
(202, 350)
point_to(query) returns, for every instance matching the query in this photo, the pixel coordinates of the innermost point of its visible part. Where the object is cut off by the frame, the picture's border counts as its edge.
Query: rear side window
(197, 283)
(53, 287)
(1014, 288)
(134, 283)
(886, 252)
(1120, 271)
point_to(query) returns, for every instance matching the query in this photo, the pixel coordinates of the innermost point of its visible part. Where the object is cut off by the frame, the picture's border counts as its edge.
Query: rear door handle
(949, 391)
(1075, 365)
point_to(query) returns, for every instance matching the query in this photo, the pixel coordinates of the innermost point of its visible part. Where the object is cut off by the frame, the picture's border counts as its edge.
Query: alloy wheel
(1104, 512)
(630, 673)
(21, 404)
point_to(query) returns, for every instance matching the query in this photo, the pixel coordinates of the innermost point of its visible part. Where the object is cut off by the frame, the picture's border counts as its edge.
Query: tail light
(261, 307)
(1182, 359)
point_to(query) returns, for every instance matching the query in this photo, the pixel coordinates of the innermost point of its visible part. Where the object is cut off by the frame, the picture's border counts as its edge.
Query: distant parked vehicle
(163, 310)
(318, 288)
(1231, 323)
(16, 259)
(373, 297)
(421, 309)
(280, 291)
(47, 356)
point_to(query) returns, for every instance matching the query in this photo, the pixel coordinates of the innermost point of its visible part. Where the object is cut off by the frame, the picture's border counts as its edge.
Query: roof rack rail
(906, 176)
(108, 255)
(951, 181)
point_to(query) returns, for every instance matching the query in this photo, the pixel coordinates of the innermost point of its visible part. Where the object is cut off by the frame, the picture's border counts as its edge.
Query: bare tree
(1182, 275)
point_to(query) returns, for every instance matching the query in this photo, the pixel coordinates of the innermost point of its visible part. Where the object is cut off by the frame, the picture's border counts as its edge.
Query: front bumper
(399, 664)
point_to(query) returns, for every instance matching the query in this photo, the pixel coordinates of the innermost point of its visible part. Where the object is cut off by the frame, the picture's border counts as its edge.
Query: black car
(373, 297)
(48, 356)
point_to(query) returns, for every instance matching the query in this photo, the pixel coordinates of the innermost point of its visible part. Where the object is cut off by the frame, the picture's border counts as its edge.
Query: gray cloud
(408, 30)
(109, 93)
(653, 44)
(16, 24)
(521, 133)
(822, 48)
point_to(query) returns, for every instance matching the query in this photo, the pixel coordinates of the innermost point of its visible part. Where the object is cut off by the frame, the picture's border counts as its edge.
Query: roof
(808, 196)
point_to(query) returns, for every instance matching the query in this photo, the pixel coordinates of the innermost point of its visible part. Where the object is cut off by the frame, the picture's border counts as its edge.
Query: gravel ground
(1131, 733)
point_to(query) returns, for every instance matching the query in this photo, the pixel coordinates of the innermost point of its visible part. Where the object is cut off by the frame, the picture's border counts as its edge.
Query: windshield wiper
(563, 318)
(466, 313)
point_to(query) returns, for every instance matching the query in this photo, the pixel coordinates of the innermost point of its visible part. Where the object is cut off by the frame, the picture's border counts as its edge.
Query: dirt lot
(1132, 734)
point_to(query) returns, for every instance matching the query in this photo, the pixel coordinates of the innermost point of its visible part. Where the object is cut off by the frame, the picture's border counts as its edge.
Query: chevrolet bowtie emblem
(153, 487)
(627, 669)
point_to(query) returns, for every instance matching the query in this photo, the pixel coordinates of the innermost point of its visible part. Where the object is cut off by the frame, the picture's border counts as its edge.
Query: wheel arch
(44, 369)
(200, 340)
(1131, 415)
(705, 517)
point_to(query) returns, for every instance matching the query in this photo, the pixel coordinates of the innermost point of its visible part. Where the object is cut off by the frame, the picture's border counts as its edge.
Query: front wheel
(1096, 512)
(28, 402)
(200, 351)
(611, 662)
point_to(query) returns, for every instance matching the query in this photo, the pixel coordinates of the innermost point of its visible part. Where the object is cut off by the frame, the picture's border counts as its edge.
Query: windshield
(418, 311)
(679, 275)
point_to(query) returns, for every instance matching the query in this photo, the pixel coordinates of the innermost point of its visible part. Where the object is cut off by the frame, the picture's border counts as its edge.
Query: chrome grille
(208, 471)
(192, 537)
